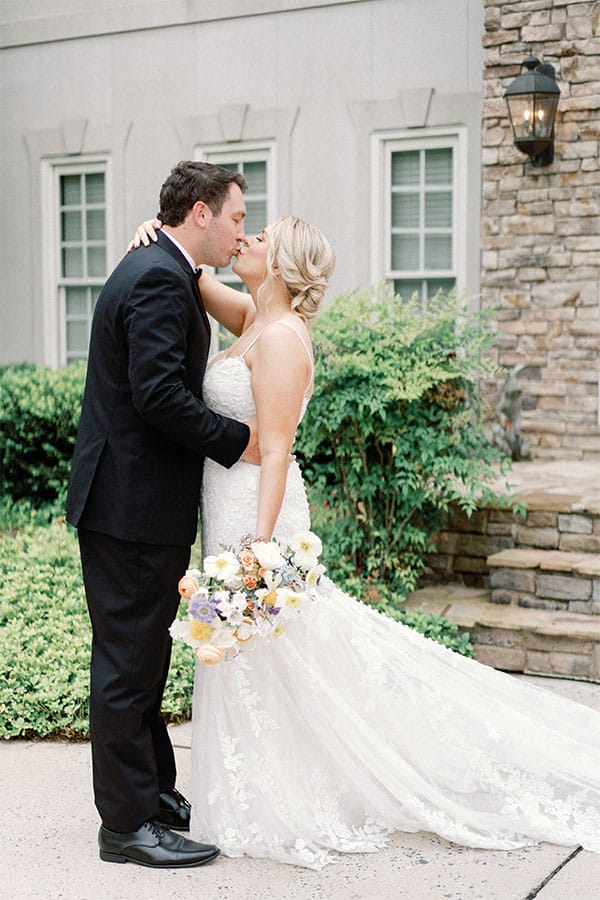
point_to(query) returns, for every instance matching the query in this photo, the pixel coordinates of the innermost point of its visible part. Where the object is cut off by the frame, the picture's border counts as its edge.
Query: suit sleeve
(157, 320)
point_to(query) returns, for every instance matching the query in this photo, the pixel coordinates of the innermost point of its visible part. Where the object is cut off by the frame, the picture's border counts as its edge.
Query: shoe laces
(157, 830)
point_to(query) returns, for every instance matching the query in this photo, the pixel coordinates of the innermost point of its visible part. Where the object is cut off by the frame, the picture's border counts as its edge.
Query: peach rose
(248, 559)
(250, 582)
(187, 587)
(209, 654)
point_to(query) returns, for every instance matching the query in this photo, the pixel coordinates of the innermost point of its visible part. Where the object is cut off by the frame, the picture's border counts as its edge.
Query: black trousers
(132, 598)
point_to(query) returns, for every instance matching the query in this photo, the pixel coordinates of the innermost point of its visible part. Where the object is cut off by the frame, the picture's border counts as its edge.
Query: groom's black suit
(133, 495)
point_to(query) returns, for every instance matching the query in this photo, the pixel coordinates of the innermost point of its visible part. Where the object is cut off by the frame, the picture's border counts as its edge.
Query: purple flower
(204, 609)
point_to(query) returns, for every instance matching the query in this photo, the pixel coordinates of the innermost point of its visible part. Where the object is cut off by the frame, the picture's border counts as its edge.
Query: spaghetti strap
(304, 344)
(308, 353)
(251, 344)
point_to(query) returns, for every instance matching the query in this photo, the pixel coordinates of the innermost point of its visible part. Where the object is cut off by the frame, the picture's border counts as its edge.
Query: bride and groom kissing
(159, 423)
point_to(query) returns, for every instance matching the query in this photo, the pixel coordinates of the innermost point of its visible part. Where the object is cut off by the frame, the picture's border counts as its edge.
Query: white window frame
(54, 311)
(383, 144)
(247, 151)
(244, 151)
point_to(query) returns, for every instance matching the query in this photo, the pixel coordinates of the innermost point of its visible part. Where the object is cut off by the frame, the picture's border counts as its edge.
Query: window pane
(94, 294)
(71, 226)
(405, 251)
(438, 251)
(438, 166)
(256, 216)
(255, 174)
(76, 301)
(433, 285)
(405, 167)
(72, 262)
(77, 336)
(70, 190)
(96, 224)
(408, 287)
(94, 188)
(438, 209)
(405, 211)
(96, 260)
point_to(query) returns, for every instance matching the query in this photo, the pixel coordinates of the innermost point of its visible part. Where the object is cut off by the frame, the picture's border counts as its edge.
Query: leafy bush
(39, 413)
(46, 637)
(394, 432)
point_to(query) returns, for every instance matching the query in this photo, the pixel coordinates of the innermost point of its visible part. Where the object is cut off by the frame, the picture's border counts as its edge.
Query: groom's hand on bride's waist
(252, 454)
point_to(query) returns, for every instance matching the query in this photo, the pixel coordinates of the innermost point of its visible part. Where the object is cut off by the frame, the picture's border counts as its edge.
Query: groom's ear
(201, 214)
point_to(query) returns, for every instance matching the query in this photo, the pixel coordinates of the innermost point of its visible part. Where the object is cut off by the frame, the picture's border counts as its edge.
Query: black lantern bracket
(532, 100)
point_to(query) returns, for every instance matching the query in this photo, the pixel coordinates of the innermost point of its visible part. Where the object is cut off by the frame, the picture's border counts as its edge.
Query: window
(82, 248)
(418, 215)
(77, 253)
(256, 164)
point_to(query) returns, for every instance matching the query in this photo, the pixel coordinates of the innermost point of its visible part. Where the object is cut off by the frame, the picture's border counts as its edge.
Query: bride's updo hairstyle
(304, 260)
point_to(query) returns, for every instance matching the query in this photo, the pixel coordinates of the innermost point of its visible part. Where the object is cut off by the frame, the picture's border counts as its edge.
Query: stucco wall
(147, 81)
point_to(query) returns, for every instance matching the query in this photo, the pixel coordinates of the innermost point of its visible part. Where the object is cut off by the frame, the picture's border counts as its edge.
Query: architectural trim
(72, 141)
(420, 108)
(146, 16)
(242, 124)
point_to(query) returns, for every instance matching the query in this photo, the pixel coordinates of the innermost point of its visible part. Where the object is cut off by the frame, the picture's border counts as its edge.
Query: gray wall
(147, 81)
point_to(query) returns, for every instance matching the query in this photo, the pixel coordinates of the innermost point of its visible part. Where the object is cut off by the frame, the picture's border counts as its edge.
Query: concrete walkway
(48, 848)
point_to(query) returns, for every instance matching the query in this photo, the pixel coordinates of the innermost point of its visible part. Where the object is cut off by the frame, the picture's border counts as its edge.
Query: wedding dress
(351, 726)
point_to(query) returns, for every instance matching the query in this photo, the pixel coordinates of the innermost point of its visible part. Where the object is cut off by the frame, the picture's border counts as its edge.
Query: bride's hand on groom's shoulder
(144, 233)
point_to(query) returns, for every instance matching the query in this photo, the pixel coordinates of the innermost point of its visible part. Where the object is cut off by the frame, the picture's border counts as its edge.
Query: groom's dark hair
(191, 181)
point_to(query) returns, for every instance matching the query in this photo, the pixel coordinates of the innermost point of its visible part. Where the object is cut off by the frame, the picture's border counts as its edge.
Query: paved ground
(48, 848)
(576, 480)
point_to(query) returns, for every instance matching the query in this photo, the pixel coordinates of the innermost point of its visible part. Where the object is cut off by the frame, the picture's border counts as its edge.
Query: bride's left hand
(144, 233)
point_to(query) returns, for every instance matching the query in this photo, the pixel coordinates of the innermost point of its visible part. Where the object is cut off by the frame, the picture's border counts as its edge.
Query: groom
(133, 496)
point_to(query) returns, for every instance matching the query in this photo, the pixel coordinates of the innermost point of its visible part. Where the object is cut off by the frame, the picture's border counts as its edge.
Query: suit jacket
(144, 429)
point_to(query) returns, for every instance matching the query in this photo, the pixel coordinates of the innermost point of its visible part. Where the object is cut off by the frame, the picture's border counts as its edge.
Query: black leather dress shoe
(154, 846)
(174, 811)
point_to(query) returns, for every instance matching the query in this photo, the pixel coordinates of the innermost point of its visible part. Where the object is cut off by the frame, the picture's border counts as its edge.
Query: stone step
(547, 560)
(516, 639)
(546, 579)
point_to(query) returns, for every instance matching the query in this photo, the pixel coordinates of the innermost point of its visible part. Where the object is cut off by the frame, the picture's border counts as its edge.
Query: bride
(351, 726)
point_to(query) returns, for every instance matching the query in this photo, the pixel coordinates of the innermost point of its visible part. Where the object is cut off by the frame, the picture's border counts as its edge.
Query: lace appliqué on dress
(350, 726)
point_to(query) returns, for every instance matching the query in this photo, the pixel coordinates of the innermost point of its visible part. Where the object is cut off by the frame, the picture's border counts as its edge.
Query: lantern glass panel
(544, 107)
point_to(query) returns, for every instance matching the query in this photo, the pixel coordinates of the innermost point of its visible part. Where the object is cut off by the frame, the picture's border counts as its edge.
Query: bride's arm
(280, 372)
(233, 309)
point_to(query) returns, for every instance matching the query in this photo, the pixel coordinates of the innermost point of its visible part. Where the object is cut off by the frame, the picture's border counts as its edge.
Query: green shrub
(46, 636)
(39, 413)
(394, 432)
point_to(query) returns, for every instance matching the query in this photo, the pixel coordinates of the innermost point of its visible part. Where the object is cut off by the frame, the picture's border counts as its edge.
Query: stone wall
(541, 226)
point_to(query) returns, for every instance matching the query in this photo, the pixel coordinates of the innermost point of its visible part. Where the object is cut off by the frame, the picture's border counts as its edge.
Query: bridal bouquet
(247, 592)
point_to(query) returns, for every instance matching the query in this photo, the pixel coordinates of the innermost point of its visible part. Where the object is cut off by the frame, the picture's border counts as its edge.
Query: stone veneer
(541, 226)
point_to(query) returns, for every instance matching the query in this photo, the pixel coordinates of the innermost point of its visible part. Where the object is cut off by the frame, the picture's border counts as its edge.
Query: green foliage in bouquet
(394, 432)
(39, 414)
(46, 637)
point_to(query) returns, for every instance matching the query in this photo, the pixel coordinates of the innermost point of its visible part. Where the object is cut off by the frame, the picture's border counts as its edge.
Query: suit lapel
(169, 247)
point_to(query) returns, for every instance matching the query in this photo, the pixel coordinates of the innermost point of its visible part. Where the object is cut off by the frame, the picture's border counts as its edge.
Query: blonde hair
(305, 261)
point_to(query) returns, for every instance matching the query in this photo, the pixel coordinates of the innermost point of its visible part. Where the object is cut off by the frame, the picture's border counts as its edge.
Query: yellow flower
(200, 631)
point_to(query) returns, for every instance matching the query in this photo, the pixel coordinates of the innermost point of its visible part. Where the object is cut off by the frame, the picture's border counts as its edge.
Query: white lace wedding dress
(351, 726)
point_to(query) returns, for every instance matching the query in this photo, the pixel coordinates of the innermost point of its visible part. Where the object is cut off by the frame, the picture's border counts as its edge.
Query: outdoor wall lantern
(532, 99)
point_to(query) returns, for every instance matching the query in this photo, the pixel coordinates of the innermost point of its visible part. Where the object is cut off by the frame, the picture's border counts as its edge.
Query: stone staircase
(527, 588)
